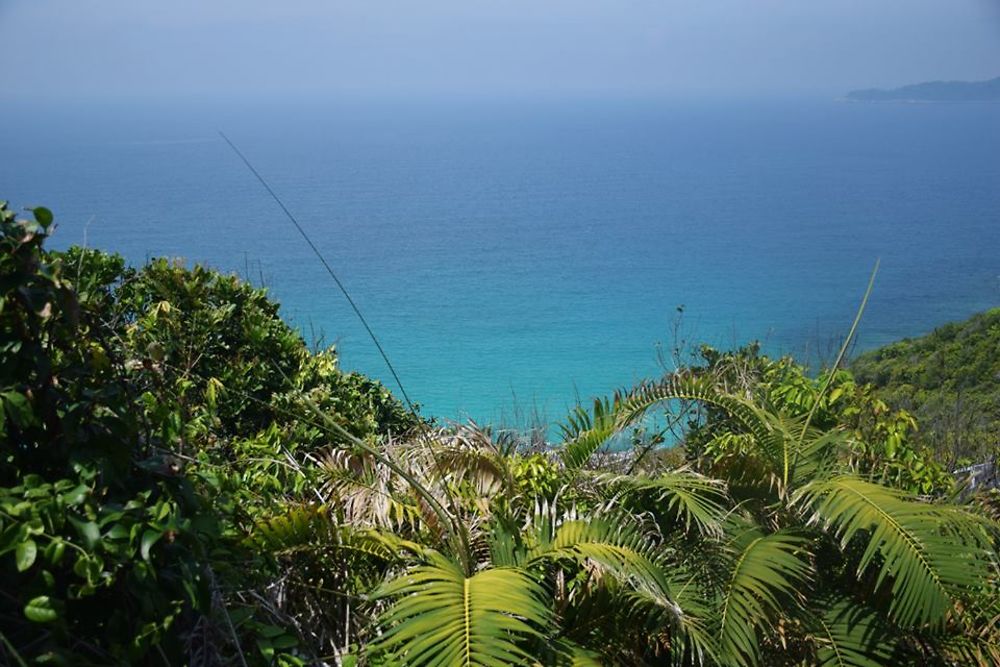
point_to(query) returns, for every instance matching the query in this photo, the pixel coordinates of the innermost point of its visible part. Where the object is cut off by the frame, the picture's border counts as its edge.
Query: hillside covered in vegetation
(950, 381)
(184, 482)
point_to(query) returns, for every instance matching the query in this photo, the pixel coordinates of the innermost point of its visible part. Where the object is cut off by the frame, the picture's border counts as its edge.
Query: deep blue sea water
(513, 256)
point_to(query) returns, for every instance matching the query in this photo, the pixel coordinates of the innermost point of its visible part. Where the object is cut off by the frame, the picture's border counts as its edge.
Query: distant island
(933, 91)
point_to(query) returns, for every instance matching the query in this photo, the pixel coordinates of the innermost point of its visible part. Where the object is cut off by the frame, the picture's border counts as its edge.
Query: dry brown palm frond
(467, 455)
(461, 466)
(366, 492)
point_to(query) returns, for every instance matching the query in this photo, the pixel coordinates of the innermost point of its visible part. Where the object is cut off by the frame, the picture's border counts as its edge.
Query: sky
(112, 49)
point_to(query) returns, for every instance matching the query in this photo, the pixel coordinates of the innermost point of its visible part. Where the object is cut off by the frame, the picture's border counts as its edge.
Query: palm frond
(768, 573)
(309, 528)
(929, 553)
(774, 436)
(636, 403)
(691, 498)
(618, 550)
(689, 617)
(441, 618)
(974, 638)
(848, 634)
(817, 455)
(571, 654)
(298, 526)
(586, 432)
(366, 492)
(467, 454)
(614, 541)
(616, 547)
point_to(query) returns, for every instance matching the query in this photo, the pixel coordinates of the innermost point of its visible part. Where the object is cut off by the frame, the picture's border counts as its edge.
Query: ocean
(515, 256)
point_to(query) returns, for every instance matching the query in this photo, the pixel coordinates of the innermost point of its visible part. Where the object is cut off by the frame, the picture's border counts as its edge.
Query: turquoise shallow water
(513, 256)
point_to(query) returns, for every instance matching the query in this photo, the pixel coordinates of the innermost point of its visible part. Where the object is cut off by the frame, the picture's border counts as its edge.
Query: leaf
(928, 553)
(767, 573)
(309, 528)
(42, 215)
(688, 496)
(441, 617)
(617, 546)
(585, 433)
(149, 538)
(76, 495)
(18, 407)
(88, 530)
(574, 655)
(25, 555)
(850, 635)
(676, 387)
(54, 552)
(89, 567)
(41, 609)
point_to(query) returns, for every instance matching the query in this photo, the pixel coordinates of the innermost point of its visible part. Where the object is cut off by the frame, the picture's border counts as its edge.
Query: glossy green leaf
(41, 610)
(25, 555)
(18, 407)
(42, 215)
(149, 538)
(88, 530)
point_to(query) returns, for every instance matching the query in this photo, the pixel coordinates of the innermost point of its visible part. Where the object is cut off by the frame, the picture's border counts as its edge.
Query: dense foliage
(950, 381)
(183, 482)
(148, 423)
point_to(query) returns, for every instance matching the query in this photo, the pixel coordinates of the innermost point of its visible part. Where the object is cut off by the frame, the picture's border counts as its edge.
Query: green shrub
(150, 417)
(950, 380)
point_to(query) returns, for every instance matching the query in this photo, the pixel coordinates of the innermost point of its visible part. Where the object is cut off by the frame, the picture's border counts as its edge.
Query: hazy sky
(115, 48)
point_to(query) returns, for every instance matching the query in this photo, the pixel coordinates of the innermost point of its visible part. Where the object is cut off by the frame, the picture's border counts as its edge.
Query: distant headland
(933, 91)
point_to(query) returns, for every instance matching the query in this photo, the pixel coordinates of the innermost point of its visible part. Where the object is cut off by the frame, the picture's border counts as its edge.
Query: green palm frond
(615, 542)
(929, 553)
(440, 617)
(298, 526)
(571, 654)
(619, 550)
(308, 528)
(850, 635)
(768, 573)
(780, 446)
(616, 547)
(635, 404)
(689, 617)
(973, 650)
(817, 455)
(774, 436)
(794, 452)
(792, 460)
(687, 496)
(586, 432)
